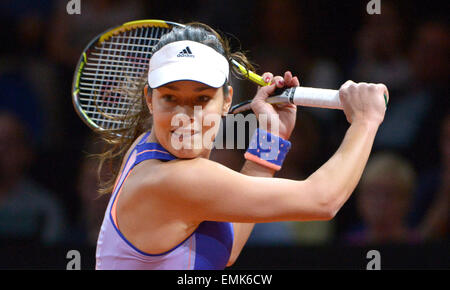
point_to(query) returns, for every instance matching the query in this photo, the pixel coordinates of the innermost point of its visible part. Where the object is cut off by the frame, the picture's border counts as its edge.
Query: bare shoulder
(151, 178)
(158, 175)
(192, 171)
(177, 182)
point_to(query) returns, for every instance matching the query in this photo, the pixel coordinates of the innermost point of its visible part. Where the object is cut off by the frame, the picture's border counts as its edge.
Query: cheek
(162, 118)
(162, 125)
(211, 115)
(211, 125)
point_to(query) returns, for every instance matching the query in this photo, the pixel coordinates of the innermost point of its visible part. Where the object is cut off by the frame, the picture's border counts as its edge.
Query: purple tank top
(207, 248)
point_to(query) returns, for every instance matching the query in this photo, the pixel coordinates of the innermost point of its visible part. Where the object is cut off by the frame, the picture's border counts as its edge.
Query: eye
(203, 99)
(169, 98)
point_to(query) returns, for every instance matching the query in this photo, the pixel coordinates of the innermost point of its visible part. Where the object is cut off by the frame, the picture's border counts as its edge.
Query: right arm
(338, 177)
(211, 191)
(222, 194)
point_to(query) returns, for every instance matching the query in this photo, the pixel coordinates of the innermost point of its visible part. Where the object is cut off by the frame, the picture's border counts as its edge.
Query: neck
(152, 138)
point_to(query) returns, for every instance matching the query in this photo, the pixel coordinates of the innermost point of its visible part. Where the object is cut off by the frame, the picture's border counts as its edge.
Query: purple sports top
(207, 248)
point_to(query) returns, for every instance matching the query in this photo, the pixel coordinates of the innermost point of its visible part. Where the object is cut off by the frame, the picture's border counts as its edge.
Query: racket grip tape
(311, 97)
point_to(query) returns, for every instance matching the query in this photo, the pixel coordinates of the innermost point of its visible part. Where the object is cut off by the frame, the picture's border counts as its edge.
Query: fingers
(264, 92)
(351, 87)
(383, 88)
(267, 77)
(279, 81)
(348, 84)
(288, 80)
(346, 88)
(295, 82)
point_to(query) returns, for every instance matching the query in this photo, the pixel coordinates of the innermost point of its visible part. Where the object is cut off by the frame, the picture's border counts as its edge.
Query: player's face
(186, 116)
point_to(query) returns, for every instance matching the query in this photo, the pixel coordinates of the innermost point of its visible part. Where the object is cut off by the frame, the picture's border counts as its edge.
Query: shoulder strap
(142, 141)
(152, 151)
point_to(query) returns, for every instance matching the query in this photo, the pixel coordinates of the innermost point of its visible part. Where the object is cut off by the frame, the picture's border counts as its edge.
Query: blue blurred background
(48, 198)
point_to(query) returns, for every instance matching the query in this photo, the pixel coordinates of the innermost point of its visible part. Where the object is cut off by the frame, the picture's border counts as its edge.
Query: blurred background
(48, 199)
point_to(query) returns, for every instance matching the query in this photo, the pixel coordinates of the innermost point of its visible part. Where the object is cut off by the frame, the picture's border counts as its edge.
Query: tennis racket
(114, 63)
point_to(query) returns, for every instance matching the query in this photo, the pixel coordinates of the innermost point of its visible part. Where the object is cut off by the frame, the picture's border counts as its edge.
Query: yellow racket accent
(249, 74)
(152, 22)
(77, 85)
(133, 25)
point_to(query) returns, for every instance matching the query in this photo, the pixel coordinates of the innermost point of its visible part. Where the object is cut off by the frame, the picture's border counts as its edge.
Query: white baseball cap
(190, 61)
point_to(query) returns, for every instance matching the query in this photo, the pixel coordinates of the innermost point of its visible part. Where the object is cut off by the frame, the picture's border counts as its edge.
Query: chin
(188, 153)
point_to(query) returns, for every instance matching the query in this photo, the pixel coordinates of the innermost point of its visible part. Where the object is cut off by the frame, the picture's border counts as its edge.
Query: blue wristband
(267, 149)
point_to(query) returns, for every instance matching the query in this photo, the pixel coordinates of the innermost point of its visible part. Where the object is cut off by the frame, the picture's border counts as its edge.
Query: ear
(227, 101)
(148, 98)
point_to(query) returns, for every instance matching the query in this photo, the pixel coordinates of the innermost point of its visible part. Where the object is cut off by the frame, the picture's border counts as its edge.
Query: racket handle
(309, 97)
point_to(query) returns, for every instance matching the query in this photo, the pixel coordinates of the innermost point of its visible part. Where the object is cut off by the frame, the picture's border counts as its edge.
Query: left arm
(242, 231)
(287, 116)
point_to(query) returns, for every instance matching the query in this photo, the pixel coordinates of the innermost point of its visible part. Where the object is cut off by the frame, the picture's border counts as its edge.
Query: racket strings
(116, 71)
(116, 94)
(113, 77)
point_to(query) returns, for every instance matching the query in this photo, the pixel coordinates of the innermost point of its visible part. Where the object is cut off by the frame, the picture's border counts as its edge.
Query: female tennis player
(173, 208)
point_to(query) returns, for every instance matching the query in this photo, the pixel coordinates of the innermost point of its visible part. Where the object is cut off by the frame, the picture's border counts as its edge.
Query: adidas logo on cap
(185, 53)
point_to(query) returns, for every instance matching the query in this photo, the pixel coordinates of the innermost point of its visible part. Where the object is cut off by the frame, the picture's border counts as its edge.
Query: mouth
(185, 132)
(180, 132)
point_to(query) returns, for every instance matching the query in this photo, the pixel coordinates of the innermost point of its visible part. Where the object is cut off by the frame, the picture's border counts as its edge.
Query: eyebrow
(199, 89)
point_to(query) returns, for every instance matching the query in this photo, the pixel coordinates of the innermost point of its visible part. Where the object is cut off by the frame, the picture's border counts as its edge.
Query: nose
(184, 114)
(190, 111)
(188, 114)
(185, 109)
